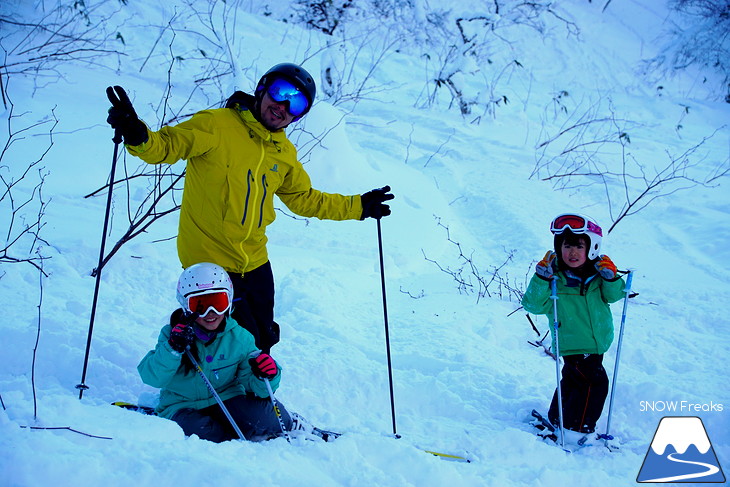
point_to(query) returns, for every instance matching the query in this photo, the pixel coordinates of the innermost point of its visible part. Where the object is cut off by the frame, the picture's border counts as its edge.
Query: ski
(440, 455)
(135, 407)
(447, 456)
(321, 434)
(611, 443)
(324, 435)
(547, 431)
(545, 427)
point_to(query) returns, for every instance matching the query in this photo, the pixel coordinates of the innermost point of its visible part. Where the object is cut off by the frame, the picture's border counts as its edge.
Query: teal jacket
(584, 316)
(224, 361)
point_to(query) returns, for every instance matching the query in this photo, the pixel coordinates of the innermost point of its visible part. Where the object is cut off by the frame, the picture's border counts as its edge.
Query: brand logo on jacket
(275, 168)
(681, 451)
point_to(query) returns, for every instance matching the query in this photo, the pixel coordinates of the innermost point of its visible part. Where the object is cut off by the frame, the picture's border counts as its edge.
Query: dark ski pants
(254, 416)
(253, 305)
(584, 387)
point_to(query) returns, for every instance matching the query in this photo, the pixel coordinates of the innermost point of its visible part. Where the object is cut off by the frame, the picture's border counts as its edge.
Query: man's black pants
(253, 305)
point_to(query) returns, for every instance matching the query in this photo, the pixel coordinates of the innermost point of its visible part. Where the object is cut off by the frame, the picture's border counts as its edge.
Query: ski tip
(135, 407)
(447, 456)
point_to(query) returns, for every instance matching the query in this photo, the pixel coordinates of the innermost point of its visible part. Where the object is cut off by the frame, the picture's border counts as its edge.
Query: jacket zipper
(215, 371)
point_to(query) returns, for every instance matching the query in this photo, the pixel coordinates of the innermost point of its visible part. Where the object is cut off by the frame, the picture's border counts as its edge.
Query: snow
(465, 377)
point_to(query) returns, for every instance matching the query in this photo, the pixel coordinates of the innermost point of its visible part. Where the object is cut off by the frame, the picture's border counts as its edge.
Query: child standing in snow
(587, 282)
(228, 357)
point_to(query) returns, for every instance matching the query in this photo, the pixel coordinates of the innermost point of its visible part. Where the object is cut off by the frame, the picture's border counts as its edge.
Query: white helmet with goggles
(580, 225)
(204, 287)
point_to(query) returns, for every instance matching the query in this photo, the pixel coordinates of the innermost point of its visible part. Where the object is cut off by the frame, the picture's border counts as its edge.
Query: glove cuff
(136, 134)
(172, 350)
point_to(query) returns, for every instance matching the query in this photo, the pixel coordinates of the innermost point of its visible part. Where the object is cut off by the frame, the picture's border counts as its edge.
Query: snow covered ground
(465, 377)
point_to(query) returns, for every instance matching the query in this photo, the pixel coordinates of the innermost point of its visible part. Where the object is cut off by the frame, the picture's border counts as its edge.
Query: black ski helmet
(293, 73)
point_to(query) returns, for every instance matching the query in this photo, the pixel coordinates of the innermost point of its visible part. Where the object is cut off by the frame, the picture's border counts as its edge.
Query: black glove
(181, 337)
(372, 203)
(123, 118)
(263, 366)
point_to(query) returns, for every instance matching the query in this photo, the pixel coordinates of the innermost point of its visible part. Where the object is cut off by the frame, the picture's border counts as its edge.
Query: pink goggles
(574, 223)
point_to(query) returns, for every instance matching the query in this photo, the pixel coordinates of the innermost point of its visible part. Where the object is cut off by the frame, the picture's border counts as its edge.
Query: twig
(66, 428)
(41, 275)
(540, 342)
(453, 131)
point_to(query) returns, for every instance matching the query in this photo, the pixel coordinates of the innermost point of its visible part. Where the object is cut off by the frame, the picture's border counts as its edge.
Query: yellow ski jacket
(234, 168)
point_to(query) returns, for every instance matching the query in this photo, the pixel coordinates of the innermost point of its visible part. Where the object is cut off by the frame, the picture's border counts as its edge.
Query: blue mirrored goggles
(280, 90)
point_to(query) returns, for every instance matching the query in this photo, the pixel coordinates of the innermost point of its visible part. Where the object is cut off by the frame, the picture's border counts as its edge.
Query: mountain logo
(681, 452)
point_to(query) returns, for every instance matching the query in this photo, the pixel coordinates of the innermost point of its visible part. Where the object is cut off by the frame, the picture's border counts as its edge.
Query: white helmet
(579, 225)
(203, 278)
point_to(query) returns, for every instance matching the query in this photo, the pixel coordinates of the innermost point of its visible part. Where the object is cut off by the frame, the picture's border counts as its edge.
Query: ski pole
(215, 394)
(607, 437)
(117, 139)
(277, 411)
(554, 297)
(385, 320)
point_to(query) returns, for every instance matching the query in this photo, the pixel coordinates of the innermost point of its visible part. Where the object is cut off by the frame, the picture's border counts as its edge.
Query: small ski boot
(300, 426)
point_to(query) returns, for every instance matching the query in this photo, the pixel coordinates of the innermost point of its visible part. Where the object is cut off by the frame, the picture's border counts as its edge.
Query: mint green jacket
(224, 361)
(586, 322)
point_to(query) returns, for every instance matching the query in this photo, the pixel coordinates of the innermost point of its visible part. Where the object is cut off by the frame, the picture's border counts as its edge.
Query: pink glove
(181, 337)
(263, 366)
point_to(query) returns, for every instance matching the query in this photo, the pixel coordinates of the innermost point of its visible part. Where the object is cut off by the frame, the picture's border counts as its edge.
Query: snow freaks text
(679, 407)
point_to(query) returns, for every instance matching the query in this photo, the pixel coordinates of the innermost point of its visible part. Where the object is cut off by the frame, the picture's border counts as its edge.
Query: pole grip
(629, 279)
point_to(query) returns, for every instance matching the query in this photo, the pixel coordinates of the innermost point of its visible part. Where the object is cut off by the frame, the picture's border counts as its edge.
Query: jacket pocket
(246, 201)
(265, 187)
(224, 374)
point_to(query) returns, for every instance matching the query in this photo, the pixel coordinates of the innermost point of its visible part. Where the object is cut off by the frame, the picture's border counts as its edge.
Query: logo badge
(681, 451)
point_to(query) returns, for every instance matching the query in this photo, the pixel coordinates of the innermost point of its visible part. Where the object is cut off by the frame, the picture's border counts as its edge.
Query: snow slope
(465, 377)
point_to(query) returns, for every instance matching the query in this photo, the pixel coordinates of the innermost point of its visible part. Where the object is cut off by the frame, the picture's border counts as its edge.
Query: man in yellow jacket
(238, 157)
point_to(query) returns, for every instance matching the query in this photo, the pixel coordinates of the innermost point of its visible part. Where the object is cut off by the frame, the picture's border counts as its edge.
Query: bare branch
(68, 429)
(591, 148)
(21, 197)
(492, 277)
